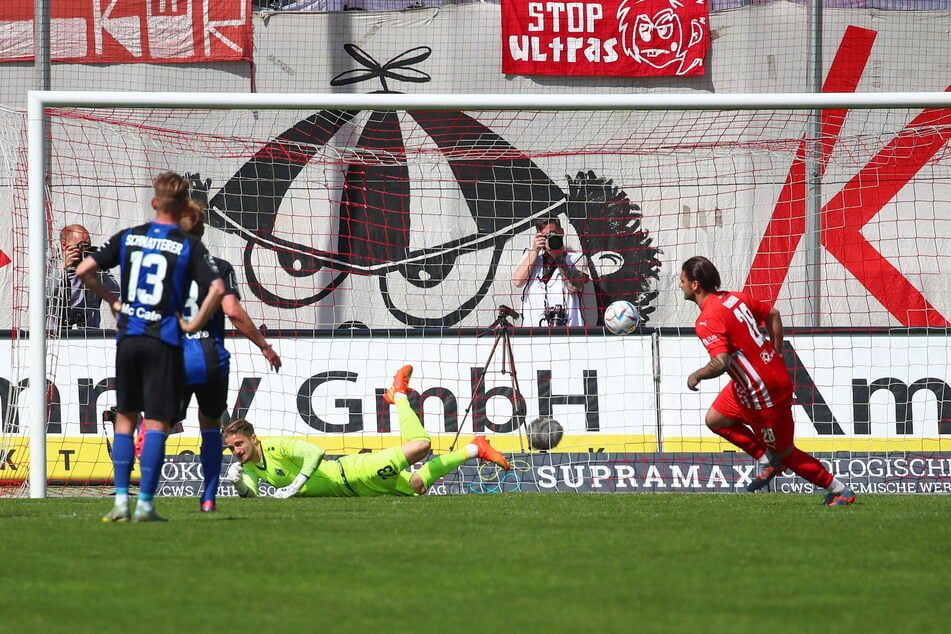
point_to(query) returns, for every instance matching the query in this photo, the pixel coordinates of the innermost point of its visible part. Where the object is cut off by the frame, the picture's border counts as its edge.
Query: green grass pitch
(494, 563)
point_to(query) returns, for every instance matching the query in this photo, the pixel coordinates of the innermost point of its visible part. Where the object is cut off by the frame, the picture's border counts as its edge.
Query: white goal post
(38, 160)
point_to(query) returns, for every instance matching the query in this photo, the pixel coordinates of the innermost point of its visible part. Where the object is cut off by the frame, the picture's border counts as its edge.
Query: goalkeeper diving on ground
(297, 467)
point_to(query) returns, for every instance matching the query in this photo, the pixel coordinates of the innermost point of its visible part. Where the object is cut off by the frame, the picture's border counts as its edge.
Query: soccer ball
(544, 433)
(621, 317)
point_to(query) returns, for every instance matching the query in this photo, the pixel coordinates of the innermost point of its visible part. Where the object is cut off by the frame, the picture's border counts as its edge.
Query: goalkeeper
(297, 467)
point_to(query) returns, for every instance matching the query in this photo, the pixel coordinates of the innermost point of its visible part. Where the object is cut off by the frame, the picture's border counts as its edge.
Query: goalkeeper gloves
(234, 476)
(291, 489)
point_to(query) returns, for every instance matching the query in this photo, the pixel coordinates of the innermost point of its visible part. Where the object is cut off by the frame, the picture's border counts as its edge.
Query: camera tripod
(502, 328)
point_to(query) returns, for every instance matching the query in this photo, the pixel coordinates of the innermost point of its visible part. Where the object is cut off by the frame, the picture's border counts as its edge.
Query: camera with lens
(507, 312)
(84, 249)
(554, 316)
(109, 415)
(554, 241)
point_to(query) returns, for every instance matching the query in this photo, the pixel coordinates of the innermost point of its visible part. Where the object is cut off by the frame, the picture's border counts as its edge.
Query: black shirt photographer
(552, 279)
(71, 304)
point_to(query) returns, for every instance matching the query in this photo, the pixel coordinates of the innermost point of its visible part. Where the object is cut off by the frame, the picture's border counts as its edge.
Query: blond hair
(193, 219)
(238, 426)
(171, 192)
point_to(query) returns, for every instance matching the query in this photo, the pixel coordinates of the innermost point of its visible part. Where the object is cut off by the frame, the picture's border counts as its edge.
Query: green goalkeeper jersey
(282, 459)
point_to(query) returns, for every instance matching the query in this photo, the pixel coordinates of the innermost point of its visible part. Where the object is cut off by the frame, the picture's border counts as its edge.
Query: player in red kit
(754, 410)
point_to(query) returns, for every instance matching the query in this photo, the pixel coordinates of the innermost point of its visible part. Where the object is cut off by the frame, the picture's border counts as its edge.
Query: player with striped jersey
(754, 410)
(297, 467)
(207, 361)
(157, 263)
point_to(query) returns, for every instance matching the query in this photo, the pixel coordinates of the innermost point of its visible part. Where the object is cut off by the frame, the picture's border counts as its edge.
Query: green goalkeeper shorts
(378, 473)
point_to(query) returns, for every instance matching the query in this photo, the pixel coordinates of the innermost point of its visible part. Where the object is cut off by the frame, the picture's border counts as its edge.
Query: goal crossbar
(398, 101)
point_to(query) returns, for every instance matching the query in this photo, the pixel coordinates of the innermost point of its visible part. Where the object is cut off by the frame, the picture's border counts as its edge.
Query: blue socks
(123, 453)
(150, 463)
(211, 448)
(152, 457)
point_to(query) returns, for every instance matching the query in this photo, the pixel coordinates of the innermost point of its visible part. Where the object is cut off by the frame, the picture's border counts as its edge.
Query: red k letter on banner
(622, 38)
(861, 199)
(123, 31)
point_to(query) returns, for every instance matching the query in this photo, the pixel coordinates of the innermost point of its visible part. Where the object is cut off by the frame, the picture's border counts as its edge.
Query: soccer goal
(369, 231)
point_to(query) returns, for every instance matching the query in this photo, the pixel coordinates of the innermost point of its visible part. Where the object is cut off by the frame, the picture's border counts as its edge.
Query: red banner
(124, 31)
(622, 38)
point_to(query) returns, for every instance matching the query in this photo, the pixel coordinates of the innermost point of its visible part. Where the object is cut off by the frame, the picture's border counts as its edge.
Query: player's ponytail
(193, 219)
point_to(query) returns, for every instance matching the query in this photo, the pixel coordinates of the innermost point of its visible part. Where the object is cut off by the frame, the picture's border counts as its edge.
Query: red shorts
(774, 425)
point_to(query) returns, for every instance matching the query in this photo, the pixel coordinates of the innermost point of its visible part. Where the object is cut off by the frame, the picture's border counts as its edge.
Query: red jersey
(729, 322)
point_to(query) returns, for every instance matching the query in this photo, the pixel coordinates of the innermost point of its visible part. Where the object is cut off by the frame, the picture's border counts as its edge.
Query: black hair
(700, 269)
(547, 220)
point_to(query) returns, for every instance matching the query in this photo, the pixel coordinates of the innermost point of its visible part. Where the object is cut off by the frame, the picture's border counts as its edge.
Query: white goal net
(366, 237)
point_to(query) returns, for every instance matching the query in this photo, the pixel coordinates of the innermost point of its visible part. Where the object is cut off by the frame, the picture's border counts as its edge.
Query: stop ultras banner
(622, 38)
(123, 31)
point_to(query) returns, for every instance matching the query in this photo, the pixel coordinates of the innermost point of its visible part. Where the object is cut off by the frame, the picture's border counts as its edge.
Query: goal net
(365, 237)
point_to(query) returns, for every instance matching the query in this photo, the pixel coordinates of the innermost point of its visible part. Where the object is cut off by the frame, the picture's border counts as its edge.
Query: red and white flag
(124, 31)
(621, 38)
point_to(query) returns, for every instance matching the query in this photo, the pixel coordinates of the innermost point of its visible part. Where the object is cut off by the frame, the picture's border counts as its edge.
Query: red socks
(744, 438)
(797, 461)
(808, 468)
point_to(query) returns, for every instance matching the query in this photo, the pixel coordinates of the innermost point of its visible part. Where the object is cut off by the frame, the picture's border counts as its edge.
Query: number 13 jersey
(729, 322)
(157, 263)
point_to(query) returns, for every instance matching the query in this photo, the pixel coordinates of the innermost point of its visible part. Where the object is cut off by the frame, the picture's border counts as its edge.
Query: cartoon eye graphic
(454, 298)
(287, 278)
(645, 30)
(372, 211)
(607, 262)
(664, 31)
(502, 191)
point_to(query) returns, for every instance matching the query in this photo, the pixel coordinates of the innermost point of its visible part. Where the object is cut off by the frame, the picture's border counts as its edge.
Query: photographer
(552, 279)
(71, 304)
